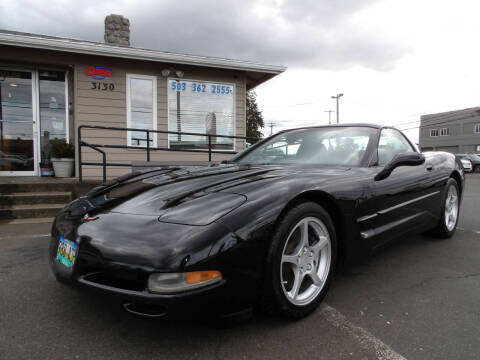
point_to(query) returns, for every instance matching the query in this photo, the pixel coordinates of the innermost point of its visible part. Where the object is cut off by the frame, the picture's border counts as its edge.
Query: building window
(433, 132)
(201, 107)
(445, 132)
(477, 129)
(141, 109)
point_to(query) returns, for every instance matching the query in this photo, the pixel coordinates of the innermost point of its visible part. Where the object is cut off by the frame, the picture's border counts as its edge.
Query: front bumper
(131, 292)
(127, 285)
(145, 303)
(117, 253)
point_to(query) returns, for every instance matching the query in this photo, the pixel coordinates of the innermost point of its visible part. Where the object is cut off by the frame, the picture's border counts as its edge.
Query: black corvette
(265, 228)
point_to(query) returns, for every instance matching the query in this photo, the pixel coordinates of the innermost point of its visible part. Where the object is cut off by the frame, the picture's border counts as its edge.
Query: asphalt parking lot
(416, 299)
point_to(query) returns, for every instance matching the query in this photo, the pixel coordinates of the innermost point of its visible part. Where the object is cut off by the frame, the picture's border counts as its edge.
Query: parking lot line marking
(23, 236)
(474, 231)
(366, 339)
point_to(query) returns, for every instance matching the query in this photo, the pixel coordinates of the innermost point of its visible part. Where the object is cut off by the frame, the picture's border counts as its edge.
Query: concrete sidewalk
(9, 231)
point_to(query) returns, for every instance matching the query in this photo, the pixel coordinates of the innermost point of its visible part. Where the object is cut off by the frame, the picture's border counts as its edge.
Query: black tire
(441, 231)
(476, 169)
(274, 301)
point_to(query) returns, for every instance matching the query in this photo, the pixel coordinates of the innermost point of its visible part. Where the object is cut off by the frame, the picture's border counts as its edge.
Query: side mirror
(402, 159)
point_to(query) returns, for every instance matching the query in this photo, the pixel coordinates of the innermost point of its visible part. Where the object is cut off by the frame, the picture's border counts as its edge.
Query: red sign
(98, 72)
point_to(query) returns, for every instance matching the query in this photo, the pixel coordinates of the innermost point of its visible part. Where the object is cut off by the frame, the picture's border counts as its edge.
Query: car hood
(192, 196)
(159, 218)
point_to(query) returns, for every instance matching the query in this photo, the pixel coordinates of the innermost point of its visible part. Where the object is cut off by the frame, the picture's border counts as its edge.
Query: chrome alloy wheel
(305, 262)
(451, 208)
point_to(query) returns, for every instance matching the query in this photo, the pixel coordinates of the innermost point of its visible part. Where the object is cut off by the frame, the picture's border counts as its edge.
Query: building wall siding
(461, 123)
(109, 108)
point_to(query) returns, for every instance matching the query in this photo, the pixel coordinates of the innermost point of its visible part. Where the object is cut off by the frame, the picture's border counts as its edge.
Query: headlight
(165, 283)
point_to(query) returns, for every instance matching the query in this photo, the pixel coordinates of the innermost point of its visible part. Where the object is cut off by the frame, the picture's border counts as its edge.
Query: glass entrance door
(17, 126)
(53, 111)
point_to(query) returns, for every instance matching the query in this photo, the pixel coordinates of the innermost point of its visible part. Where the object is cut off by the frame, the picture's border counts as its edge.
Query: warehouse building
(50, 87)
(455, 131)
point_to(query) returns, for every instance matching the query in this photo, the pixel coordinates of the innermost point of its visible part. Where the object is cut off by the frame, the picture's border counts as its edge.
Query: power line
(358, 103)
(452, 117)
(406, 123)
(446, 118)
(428, 126)
(292, 105)
(294, 123)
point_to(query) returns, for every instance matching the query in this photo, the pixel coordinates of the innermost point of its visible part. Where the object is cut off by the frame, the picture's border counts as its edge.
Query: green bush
(61, 149)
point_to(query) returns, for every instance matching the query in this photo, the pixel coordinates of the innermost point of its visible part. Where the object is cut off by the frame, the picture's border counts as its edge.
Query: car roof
(375, 126)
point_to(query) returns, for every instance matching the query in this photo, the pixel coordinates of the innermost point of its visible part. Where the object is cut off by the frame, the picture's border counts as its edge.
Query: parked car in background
(474, 159)
(14, 162)
(467, 165)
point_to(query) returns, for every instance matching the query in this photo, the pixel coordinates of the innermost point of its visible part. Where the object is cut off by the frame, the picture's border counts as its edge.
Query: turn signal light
(196, 277)
(167, 283)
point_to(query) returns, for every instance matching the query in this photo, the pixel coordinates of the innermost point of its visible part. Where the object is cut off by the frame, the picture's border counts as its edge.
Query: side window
(390, 144)
(141, 109)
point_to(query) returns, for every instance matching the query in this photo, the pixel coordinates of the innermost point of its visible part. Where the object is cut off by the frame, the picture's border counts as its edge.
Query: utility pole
(329, 116)
(336, 97)
(271, 128)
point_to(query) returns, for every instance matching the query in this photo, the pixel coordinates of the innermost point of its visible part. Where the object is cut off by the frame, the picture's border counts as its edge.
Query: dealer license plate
(66, 252)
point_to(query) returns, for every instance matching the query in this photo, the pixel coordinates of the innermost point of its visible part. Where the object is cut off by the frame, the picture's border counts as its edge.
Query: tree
(254, 117)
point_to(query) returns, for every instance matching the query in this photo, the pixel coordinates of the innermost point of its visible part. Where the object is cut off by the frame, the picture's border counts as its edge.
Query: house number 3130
(102, 86)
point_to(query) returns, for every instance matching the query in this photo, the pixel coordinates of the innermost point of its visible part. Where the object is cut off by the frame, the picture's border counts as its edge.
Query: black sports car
(267, 227)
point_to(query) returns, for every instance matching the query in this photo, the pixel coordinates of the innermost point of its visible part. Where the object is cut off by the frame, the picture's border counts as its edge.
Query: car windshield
(474, 157)
(345, 146)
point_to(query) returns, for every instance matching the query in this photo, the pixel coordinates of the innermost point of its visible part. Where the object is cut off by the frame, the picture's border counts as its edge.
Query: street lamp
(338, 96)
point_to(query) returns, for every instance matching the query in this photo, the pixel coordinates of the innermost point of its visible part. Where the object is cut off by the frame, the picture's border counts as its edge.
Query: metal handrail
(148, 147)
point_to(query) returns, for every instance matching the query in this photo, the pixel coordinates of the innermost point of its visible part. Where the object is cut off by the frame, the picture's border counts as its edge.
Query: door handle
(429, 167)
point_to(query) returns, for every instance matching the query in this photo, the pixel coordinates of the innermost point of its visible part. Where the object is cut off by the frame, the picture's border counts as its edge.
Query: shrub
(62, 149)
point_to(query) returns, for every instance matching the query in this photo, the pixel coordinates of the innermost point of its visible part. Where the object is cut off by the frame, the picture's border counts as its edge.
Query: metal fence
(148, 148)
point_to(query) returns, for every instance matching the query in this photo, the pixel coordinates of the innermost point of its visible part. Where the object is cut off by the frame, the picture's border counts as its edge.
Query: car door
(401, 202)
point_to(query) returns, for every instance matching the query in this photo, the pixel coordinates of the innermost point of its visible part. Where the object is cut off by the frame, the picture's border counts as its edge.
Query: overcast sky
(393, 59)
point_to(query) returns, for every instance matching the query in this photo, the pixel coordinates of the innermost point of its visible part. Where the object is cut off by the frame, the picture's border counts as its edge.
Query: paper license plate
(66, 252)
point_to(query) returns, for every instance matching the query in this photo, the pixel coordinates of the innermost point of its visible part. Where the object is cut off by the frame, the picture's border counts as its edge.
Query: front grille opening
(116, 281)
(147, 310)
